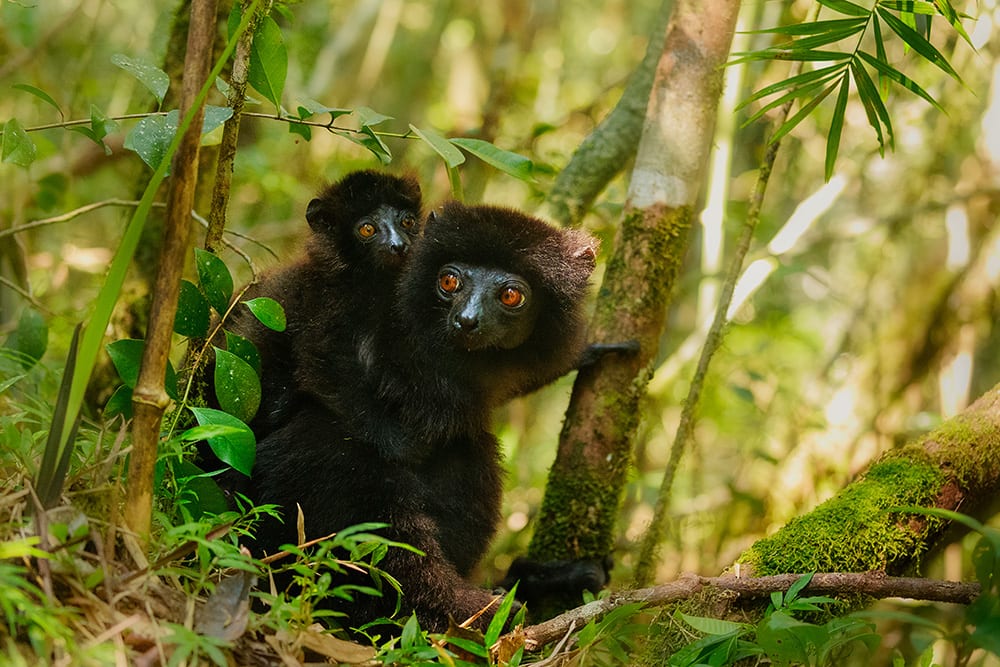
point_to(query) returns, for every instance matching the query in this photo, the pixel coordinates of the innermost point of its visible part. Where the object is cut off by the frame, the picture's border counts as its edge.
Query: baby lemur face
(487, 307)
(387, 233)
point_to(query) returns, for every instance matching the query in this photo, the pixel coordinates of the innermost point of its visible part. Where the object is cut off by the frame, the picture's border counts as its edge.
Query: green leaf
(801, 114)
(244, 349)
(268, 61)
(151, 76)
(126, 355)
(824, 38)
(152, 135)
(878, 115)
(367, 138)
(237, 448)
(495, 628)
(368, 117)
(814, 27)
(193, 315)
(100, 127)
(40, 94)
(712, 626)
(918, 43)
(30, 339)
(845, 7)
(836, 129)
(451, 155)
(199, 494)
(214, 278)
(900, 78)
(910, 6)
(237, 387)
(120, 403)
(17, 147)
(948, 11)
(516, 165)
(309, 108)
(268, 311)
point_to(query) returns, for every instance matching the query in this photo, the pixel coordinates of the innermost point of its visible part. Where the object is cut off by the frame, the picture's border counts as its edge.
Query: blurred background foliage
(868, 314)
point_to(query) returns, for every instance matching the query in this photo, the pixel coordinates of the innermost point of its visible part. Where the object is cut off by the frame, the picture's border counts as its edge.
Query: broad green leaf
(152, 135)
(268, 311)
(193, 315)
(100, 127)
(309, 108)
(237, 448)
(199, 493)
(237, 387)
(516, 165)
(17, 147)
(120, 403)
(368, 117)
(367, 138)
(300, 129)
(451, 155)
(30, 339)
(918, 43)
(126, 355)
(845, 7)
(214, 278)
(244, 349)
(712, 626)
(40, 94)
(268, 61)
(836, 128)
(151, 76)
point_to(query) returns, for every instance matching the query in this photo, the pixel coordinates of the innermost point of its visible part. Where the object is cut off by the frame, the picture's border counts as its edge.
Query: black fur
(405, 437)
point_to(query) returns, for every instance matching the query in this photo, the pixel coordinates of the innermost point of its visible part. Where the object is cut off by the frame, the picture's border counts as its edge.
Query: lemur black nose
(466, 322)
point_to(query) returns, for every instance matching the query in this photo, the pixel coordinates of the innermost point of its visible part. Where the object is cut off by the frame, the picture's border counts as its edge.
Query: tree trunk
(586, 482)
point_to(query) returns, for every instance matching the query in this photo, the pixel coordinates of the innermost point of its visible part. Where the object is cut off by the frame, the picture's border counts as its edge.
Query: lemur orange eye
(408, 222)
(366, 230)
(511, 297)
(448, 282)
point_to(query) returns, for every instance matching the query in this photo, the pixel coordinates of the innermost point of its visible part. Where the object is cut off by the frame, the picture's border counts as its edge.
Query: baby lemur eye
(511, 297)
(408, 222)
(366, 230)
(449, 282)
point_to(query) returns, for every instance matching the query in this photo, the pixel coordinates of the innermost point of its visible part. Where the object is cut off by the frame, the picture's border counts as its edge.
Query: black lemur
(361, 231)
(489, 306)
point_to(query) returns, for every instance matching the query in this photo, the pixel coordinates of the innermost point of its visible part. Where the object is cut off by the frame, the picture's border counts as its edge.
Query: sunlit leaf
(802, 92)
(268, 311)
(237, 387)
(40, 94)
(836, 128)
(368, 139)
(193, 315)
(911, 6)
(874, 108)
(918, 43)
(822, 39)
(845, 7)
(214, 278)
(952, 16)
(900, 78)
(451, 155)
(151, 76)
(508, 162)
(268, 61)
(17, 147)
(801, 114)
(812, 76)
(237, 448)
(152, 135)
(712, 626)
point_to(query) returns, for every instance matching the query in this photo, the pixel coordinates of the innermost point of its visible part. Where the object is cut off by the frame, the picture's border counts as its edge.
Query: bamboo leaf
(911, 6)
(508, 162)
(268, 61)
(814, 27)
(836, 128)
(814, 41)
(900, 78)
(802, 92)
(845, 7)
(800, 80)
(918, 43)
(952, 16)
(802, 114)
(875, 109)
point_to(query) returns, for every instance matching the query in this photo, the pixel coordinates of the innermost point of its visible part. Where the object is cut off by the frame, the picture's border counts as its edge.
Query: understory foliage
(76, 589)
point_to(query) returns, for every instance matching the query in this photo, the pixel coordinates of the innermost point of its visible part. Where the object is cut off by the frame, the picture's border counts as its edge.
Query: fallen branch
(874, 584)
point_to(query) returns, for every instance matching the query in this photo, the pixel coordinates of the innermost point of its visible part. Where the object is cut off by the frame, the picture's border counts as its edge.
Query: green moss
(968, 448)
(857, 530)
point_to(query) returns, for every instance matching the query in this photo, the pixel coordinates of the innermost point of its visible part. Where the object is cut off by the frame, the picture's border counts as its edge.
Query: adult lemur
(396, 429)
